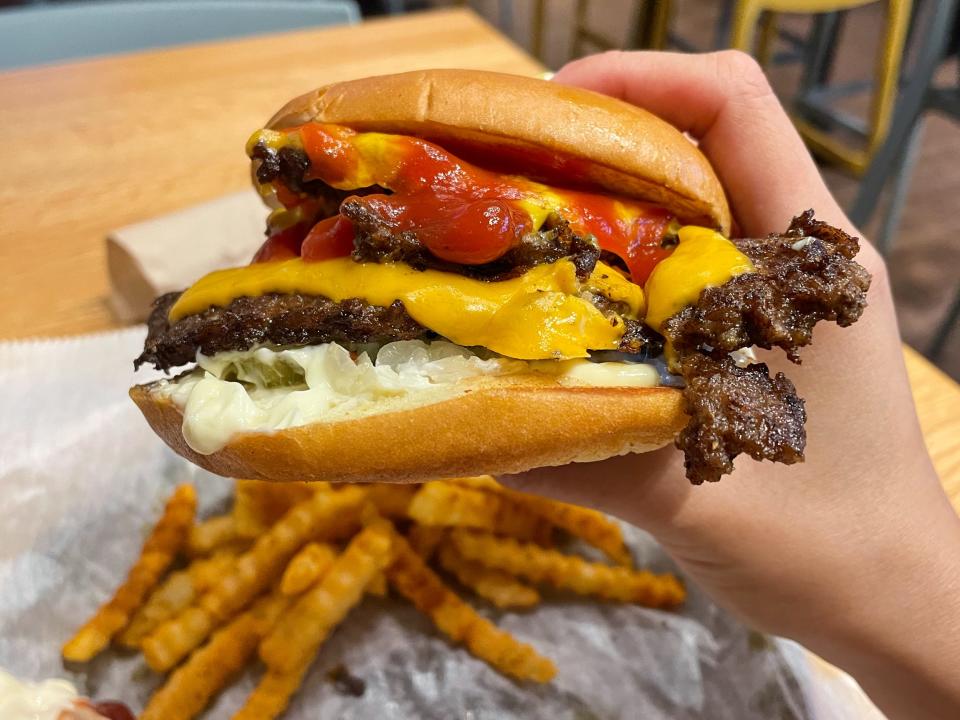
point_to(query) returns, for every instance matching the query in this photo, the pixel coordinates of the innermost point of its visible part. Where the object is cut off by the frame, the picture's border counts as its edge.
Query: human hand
(856, 552)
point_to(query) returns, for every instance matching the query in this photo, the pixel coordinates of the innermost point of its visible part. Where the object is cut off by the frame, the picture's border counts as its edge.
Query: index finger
(724, 101)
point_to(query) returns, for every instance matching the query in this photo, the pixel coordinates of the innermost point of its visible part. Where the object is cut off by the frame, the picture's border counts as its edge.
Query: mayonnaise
(264, 389)
(43, 700)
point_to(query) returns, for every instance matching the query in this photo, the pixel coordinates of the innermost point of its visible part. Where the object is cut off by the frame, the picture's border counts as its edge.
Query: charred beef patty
(806, 275)
(737, 410)
(272, 320)
(803, 276)
(307, 320)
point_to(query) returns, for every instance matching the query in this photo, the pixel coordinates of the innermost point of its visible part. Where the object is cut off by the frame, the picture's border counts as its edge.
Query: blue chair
(52, 33)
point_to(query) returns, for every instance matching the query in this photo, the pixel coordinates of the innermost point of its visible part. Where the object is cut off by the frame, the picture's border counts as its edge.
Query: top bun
(588, 138)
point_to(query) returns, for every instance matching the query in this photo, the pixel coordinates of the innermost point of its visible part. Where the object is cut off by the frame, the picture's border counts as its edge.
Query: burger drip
(461, 213)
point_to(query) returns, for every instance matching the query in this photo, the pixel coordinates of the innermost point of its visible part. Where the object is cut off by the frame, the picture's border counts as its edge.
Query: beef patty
(803, 276)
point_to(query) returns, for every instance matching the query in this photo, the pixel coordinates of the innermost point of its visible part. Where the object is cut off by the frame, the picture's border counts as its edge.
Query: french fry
(206, 572)
(445, 504)
(253, 572)
(500, 588)
(301, 630)
(425, 539)
(589, 525)
(307, 566)
(174, 594)
(177, 592)
(377, 585)
(161, 547)
(391, 499)
(258, 504)
(414, 580)
(541, 565)
(191, 686)
(212, 534)
(272, 695)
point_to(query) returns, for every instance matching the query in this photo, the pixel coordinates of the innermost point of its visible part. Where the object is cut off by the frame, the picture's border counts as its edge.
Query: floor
(925, 258)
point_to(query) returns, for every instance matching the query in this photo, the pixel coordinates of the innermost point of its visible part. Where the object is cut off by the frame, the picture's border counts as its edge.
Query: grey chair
(893, 163)
(52, 33)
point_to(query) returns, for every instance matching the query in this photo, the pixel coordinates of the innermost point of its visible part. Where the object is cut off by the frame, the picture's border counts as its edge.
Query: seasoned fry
(540, 565)
(307, 566)
(272, 695)
(460, 622)
(425, 539)
(301, 630)
(500, 588)
(191, 687)
(161, 547)
(445, 504)
(589, 525)
(212, 534)
(259, 504)
(253, 572)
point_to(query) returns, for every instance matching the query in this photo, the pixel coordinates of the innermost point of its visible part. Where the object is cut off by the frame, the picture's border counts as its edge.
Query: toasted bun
(506, 425)
(553, 130)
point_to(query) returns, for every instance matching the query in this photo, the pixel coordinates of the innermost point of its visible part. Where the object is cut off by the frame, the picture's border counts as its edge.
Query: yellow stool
(854, 159)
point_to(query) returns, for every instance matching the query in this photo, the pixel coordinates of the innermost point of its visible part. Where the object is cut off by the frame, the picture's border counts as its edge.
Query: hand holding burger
(856, 552)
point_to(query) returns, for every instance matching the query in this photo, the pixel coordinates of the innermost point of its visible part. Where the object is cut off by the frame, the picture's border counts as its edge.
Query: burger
(477, 273)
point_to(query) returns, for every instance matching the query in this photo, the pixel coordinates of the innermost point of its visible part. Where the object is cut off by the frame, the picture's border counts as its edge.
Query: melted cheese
(704, 258)
(540, 315)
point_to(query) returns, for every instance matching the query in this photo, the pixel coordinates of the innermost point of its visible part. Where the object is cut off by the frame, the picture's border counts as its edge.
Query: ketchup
(113, 710)
(461, 213)
(283, 245)
(330, 238)
(457, 229)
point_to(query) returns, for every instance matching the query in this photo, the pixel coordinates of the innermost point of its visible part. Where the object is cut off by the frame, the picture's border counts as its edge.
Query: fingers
(724, 101)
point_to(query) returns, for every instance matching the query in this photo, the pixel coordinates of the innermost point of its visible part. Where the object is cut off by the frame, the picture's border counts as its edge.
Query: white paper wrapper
(82, 478)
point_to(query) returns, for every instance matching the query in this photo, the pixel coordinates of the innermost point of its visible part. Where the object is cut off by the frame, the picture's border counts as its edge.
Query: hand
(856, 552)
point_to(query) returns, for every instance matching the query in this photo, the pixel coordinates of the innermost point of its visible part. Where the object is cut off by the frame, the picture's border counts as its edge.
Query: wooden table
(94, 145)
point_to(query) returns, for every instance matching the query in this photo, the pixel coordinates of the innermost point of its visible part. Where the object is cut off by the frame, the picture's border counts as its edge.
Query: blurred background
(872, 85)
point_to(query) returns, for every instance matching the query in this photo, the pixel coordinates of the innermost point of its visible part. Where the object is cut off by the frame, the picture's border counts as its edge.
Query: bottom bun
(503, 426)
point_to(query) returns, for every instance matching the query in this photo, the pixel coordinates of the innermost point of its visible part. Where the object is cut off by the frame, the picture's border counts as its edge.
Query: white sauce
(329, 385)
(34, 701)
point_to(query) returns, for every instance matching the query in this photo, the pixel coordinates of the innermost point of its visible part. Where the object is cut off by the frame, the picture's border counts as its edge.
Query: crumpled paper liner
(82, 479)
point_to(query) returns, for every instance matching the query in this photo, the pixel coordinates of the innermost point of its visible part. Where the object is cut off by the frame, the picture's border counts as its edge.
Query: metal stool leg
(909, 108)
(942, 334)
(902, 172)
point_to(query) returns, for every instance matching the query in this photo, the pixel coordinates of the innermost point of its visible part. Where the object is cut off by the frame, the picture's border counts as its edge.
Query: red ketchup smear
(113, 710)
(283, 245)
(461, 213)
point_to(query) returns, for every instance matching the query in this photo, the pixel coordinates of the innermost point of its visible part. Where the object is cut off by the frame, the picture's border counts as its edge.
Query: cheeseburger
(468, 272)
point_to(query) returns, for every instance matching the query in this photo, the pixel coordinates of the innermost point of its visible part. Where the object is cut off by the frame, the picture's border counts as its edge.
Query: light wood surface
(94, 145)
